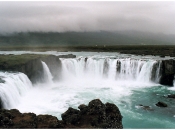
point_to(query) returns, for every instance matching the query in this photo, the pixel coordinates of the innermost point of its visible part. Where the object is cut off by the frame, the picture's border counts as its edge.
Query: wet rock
(83, 108)
(171, 96)
(67, 56)
(167, 72)
(1, 80)
(30, 64)
(48, 121)
(54, 65)
(154, 71)
(161, 104)
(1, 103)
(118, 66)
(96, 107)
(86, 59)
(71, 116)
(95, 115)
(145, 107)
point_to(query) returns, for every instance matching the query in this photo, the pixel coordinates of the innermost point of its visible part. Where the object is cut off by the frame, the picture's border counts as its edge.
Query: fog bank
(83, 16)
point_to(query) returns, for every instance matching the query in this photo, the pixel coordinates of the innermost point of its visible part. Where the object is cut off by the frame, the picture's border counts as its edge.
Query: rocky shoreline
(94, 115)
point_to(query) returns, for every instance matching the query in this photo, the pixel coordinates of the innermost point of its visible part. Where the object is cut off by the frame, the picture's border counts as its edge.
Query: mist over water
(92, 76)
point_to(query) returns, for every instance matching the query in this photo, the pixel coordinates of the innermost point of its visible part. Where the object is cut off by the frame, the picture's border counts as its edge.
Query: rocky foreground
(95, 115)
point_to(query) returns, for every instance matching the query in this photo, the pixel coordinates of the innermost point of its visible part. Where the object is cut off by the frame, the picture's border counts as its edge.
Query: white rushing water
(123, 80)
(15, 87)
(113, 69)
(47, 74)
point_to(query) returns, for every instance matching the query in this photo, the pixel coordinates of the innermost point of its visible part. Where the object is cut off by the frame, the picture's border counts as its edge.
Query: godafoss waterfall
(141, 86)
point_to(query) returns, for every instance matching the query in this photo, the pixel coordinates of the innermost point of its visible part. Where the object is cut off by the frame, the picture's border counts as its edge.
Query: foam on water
(15, 86)
(89, 77)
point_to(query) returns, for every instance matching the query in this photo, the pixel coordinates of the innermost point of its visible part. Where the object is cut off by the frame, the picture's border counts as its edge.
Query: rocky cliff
(95, 115)
(30, 64)
(167, 72)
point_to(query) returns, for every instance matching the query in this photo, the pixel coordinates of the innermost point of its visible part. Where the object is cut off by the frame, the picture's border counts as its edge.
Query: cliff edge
(30, 64)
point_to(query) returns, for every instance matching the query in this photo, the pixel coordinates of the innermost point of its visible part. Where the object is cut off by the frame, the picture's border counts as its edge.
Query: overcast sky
(87, 16)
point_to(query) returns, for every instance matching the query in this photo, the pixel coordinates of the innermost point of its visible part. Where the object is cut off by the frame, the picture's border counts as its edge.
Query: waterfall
(113, 69)
(47, 74)
(13, 87)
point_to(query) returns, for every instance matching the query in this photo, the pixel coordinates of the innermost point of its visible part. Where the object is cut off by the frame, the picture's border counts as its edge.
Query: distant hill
(85, 38)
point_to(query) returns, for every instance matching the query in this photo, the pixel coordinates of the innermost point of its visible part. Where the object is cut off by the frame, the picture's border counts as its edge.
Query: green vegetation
(85, 38)
(161, 50)
(8, 61)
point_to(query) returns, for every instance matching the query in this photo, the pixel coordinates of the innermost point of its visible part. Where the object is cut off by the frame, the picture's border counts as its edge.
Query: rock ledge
(95, 115)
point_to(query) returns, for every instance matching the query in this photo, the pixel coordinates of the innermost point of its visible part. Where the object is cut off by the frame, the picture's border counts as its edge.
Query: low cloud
(87, 16)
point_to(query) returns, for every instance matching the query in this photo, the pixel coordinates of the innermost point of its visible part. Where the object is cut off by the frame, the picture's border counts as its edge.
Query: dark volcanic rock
(1, 80)
(154, 71)
(95, 115)
(171, 96)
(30, 64)
(14, 119)
(1, 104)
(71, 116)
(48, 121)
(167, 71)
(67, 56)
(161, 104)
(33, 69)
(145, 107)
(54, 64)
(118, 66)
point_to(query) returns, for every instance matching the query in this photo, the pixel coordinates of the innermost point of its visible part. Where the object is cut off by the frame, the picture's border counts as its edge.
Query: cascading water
(47, 74)
(123, 80)
(14, 86)
(113, 69)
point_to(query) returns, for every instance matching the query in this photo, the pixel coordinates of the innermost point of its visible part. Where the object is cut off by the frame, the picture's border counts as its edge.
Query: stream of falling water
(126, 82)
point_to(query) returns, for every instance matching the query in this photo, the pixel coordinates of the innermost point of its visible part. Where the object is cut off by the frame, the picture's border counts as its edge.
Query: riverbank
(160, 50)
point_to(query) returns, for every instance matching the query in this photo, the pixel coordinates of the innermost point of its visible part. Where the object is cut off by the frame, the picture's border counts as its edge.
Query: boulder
(1, 80)
(161, 104)
(148, 108)
(95, 115)
(71, 116)
(48, 121)
(171, 96)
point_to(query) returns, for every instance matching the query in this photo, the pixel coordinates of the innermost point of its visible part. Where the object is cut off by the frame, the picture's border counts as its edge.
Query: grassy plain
(11, 61)
(161, 50)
